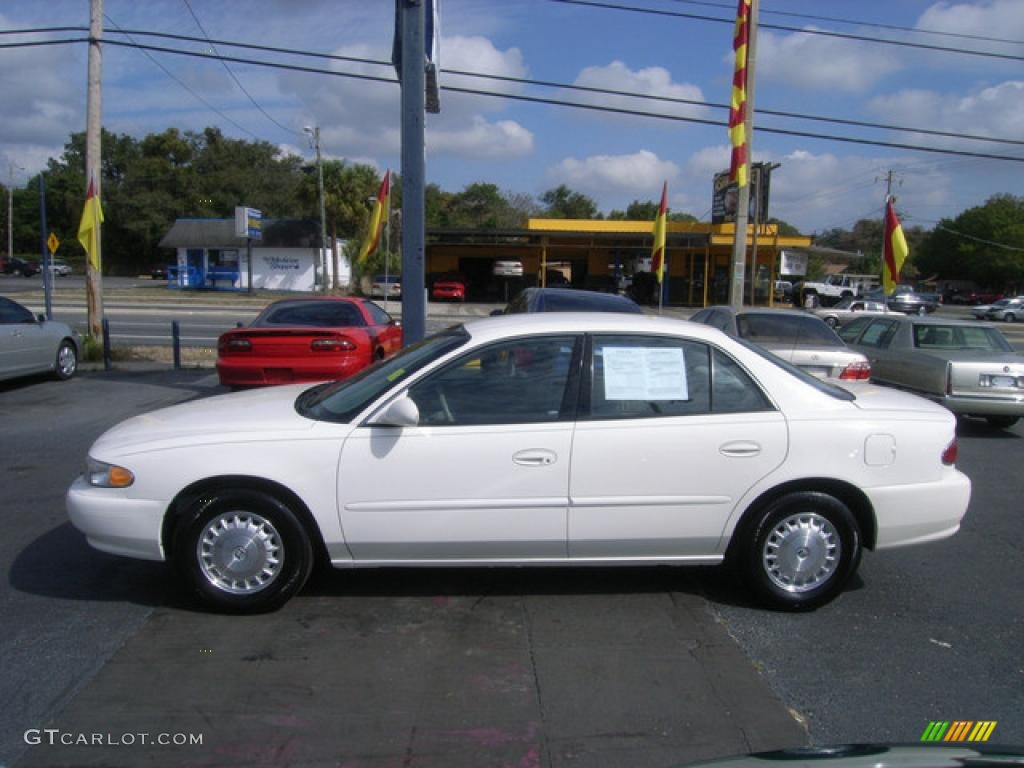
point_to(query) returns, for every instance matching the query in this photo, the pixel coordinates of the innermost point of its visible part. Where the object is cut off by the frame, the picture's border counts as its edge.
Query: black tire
(1010, 317)
(1001, 422)
(66, 363)
(832, 322)
(822, 539)
(255, 527)
(379, 354)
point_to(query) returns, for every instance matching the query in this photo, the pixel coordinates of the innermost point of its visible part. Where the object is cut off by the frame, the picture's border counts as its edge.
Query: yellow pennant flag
(658, 250)
(894, 249)
(89, 226)
(377, 219)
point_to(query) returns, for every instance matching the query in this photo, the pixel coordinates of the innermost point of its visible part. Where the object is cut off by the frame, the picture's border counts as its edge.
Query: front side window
(11, 313)
(521, 381)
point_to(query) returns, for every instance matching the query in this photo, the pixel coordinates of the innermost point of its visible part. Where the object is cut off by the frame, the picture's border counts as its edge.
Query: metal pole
(10, 216)
(248, 264)
(176, 340)
(93, 277)
(413, 79)
(739, 253)
(387, 250)
(321, 260)
(105, 336)
(44, 250)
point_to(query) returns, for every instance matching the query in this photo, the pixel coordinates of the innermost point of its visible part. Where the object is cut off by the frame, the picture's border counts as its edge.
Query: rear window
(928, 336)
(334, 314)
(786, 329)
(572, 302)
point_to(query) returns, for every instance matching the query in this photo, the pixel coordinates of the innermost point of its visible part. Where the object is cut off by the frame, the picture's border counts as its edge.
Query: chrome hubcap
(66, 361)
(240, 552)
(802, 552)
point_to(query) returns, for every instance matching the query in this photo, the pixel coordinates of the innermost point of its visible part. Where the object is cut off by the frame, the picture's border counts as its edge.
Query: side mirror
(496, 312)
(402, 412)
(41, 317)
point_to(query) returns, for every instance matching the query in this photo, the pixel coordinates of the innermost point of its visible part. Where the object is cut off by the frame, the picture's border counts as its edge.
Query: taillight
(949, 455)
(332, 345)
(234, 345)
(860, 371)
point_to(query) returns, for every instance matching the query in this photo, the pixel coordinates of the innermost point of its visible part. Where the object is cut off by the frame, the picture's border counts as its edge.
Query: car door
(674, 433)
(484, 475)
(875, 343)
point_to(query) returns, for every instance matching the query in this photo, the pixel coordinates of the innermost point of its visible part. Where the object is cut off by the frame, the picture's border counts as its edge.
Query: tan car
(966, 366)
(848, 308)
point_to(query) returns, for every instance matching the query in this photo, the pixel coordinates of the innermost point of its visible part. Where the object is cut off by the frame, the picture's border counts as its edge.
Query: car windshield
(795, 330)
(310, 314)
(341, 401)
(980, 338)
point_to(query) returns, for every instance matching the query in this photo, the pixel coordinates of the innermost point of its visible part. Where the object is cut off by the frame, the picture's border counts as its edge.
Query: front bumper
(115, 523)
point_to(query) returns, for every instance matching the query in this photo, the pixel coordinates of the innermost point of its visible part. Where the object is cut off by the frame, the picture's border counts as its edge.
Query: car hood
(257, 415)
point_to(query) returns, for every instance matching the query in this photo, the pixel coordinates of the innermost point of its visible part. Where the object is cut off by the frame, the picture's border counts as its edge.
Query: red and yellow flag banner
(894, 249)
(378, 218)
(739, 166)
(658, 249)
(89, 226)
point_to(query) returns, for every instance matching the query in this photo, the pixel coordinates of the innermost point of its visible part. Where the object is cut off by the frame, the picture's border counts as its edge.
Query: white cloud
(608, 176)
(994, 18)
(822, 63)
(482, 139)
(651, 81)
(996, 110)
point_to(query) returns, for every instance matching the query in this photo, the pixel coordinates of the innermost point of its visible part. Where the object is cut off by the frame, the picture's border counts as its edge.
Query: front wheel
(67, 360)
(243, 551)
(832, 322)
(1010, 317)
(801, 551)
(922, 310)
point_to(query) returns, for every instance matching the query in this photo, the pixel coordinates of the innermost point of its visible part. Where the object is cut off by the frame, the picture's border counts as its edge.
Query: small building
(209, 255)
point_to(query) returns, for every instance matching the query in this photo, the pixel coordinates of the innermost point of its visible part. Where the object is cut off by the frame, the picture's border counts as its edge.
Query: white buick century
(572, 439)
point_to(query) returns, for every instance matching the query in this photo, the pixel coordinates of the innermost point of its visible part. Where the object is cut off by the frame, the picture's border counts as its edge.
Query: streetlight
(314, 133)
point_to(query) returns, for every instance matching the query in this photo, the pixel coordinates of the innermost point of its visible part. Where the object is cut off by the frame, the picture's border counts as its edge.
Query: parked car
(906, 300)
(60, 268)
(492, 443)
(848, 308)
(31, 344)
(386, 286)
(159, 272)
(508, 269)
(1007, 310)
(17, 266)
(308, 339)
(449, 287)
(966, 366)
(797, 337)
(567, 300)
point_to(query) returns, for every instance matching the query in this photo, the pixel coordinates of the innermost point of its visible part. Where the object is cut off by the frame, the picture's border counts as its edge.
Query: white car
(386, 287)
(508, 269)
(850, 307)
(533, 439)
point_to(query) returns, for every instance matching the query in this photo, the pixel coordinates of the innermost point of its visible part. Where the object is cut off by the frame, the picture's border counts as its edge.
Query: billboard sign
(725, 196)
(248, 223)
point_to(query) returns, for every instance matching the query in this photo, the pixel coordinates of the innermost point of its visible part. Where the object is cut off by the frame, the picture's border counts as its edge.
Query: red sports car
(307, 339)
(449, 289)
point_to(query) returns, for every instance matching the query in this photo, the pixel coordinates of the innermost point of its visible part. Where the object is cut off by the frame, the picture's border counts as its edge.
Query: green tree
(563, 203)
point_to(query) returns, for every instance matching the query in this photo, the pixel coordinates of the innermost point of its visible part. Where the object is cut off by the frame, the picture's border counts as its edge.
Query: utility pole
(94, 275)
(413, 80)
(739, 252)
(321, 264)
(10, 212)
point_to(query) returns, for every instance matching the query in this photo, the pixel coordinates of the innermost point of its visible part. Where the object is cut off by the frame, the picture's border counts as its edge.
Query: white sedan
(559, 438)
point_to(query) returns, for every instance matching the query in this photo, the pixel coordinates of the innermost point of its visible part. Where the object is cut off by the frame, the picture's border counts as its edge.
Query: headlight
(105, 475)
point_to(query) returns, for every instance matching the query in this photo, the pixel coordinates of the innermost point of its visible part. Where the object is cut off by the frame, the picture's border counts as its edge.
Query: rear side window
(879, 334)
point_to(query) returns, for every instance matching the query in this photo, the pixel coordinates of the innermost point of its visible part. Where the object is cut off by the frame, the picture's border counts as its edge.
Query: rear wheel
(243, 551)
(801, 551)
(1010, 317)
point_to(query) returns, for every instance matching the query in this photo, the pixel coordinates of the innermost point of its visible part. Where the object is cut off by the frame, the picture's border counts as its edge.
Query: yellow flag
(377, 219)
(89, 226)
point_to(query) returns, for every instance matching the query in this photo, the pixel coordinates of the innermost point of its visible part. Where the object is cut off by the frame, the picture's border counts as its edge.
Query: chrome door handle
(740, 449)
(537, 457)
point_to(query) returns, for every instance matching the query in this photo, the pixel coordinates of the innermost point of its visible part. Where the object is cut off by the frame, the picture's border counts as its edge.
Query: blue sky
(528, 148)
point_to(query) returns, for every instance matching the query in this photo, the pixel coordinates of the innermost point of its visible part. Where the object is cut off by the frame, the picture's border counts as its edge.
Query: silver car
(797, 337)
(966, 366)
(30, 344)
(848, 308)
(1007, 310)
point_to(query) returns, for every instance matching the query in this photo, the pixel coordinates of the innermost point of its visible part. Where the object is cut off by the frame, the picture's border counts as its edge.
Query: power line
(964, 235)
(857, 23)
(232, 74)
(575, 105)
(784, 28)
(173, 77)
